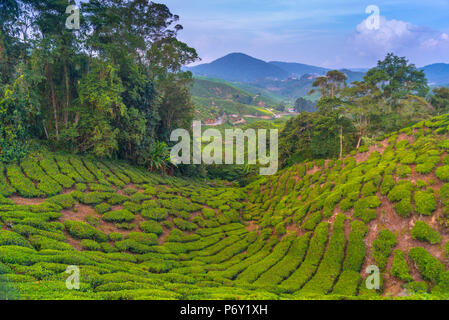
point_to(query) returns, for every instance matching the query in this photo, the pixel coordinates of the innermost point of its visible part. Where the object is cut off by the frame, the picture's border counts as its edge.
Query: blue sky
(328, 33)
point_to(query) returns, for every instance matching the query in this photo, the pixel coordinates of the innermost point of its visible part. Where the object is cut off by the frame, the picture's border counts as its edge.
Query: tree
(17, 105)
(361, 104)
(304, 105)
(440, 100)
(330, 88)
(397, 79)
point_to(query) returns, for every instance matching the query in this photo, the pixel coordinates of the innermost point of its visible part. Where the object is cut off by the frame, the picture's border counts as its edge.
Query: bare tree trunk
(359, 142)
(341, 142)
(67, 88)
(55, 108)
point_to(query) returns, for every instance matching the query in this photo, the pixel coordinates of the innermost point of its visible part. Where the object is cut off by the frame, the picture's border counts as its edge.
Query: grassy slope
(307, 232)
(213, 97)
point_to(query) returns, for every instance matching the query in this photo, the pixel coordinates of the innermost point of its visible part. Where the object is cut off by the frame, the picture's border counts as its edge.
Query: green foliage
(443, 173)
(425, 202)
(399, 268)
(151, 227)
(119, 216)
(382, 247)
(81, 230)
(422, 231)
(430, 267)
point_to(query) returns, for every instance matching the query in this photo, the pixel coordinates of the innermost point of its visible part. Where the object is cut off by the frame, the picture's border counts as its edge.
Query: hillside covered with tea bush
(308, 232)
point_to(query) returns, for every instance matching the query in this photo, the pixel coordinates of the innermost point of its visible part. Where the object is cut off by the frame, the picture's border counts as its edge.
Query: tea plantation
(309, 232)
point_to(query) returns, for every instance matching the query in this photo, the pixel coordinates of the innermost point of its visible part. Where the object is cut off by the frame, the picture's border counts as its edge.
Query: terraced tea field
(308, 232)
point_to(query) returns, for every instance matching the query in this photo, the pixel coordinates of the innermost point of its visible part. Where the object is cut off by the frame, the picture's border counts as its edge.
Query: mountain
(299, 69)
(437, 74)
(239, 67)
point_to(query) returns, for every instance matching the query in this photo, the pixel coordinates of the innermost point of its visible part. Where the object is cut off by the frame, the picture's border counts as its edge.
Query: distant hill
(278, 81)
(215, 97)
(239, 67)
(437, 74)
(299, 69)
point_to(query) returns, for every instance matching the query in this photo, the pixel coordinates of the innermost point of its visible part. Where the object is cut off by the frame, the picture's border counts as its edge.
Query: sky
(326, 33)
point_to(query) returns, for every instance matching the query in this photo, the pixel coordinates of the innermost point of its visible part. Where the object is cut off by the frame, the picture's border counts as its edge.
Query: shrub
(330, 266)
(102, 208)
(382, 247)
(81, 230)
(66, 201)
(114, 236)
(403, 208)
(427, 164)
(364, 208)
(399, 268)
(151, 227)
(90, 245)
(430, 267)
(93, 220)
(144, 238)
(443, 173)
(417, 287)
(403, 171)
(355, 252)
(403, 190)
(312, 220)
(157, 214)
(119, 216)
(308, 267)
(132, 206)
(24, 186)
(184, 225)
(423, 232)
(208, 213)
(425, 202)
(387, 184)
(9, 238)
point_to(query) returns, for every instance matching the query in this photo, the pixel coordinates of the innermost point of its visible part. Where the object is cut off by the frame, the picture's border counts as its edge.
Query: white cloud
(402, 38)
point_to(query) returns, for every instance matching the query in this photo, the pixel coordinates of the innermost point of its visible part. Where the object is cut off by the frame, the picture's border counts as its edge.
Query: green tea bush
(399, 267)
(403, 190)
(90, 245)
(157, 214)
(425, 202)
(81, 230)
(347, 283)
(403, 208)
(315, 252)
(9, 238)
(119, 216)
(423, 232)
(312, 221)
(403, 171)
(442, 173)
(331, 264)
(364, 208)
(382, 247)
(151, 227)
(288, 264)
(102, 208)
(430, 267)
(356, 248)
(184, 225)
(24, 186)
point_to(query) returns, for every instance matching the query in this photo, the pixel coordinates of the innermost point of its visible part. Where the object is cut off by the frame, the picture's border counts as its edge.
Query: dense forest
(113, 88)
